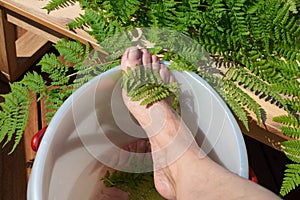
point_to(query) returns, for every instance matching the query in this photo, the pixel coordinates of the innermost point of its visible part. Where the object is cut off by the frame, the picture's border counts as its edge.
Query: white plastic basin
(67, 163)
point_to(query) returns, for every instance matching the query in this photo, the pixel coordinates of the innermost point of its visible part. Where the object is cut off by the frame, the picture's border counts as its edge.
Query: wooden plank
(13, 173)
(12, 67)
(33, 29)
(28, 44)
(44, 111)
(263, 134)
(55, 20)
(31, 129)
(25, 63)
(8, 60)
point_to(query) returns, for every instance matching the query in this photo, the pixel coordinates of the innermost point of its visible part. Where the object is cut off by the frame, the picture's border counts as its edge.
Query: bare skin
(101, 192)
(189, 176)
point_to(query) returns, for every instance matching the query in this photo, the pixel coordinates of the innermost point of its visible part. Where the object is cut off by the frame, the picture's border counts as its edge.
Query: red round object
(37, 138)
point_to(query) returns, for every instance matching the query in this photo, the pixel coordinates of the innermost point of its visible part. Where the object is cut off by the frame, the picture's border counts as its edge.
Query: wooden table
(44, 28)
(17, 54)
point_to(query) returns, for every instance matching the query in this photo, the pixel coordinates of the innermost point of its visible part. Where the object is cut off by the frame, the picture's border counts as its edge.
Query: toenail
(145, 50)
(134, 52)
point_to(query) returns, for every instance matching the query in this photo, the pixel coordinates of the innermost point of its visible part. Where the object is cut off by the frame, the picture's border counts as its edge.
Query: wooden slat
(13, 173)
(32, 29)
(263, 135)
(43, 113)
(31, 129)
(28, 44)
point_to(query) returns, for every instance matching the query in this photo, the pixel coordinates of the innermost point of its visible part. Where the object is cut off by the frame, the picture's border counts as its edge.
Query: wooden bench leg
(18, 54)
(8, 58)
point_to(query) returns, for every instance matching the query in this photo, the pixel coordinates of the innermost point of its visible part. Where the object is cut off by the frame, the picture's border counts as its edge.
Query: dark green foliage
(244, 100)
(291, 120)
(291, 178)
(292, 123)
(86, 63)
(251, 35)
(15, 108)
(138, 185)
(12, 122)
(291, 149)
(58, 4)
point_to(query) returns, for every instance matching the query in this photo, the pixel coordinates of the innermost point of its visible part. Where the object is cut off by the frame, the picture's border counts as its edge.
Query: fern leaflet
(291, 179)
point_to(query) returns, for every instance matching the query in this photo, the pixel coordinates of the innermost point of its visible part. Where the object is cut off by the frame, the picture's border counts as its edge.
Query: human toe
(132, 57)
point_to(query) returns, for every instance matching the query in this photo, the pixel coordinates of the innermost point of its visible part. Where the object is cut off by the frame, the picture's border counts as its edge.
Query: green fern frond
(290, 88)
(291, 149)
(86, 65)
(56, 4)
(179, 65)
(291, 178)
(290, 120)
(293, 104)
(144, 83)
(289, 69)
(79, 22)
(55, 98)
(14, 114)
(71, 51)
(293, 5)
(293, 132)
(35, 82)
(156, 94)
(237, 109)
(293, 125)
(243, 98)
(52, 65)
(253, 83)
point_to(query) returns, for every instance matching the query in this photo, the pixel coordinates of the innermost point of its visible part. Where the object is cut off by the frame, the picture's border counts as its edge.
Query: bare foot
(167, 148)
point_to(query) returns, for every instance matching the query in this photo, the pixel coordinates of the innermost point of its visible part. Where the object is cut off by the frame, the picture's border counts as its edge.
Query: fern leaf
(291, 178)
(293, 104)
(54, 67)
(291, 149)
(237, 110)
(254, 83)
(35, 82)
(147, 84)
(243, 98)
(293, 125)
(293, 132)
(15, 110)
(72, 51)
(290, 88)
(156, 94)
(291, 120)
(56, 4)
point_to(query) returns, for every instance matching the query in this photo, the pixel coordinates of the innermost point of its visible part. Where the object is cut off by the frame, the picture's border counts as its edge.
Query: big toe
(132, 57)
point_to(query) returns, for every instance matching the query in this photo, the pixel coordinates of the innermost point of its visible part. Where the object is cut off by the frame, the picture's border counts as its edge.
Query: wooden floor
(267, 163)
